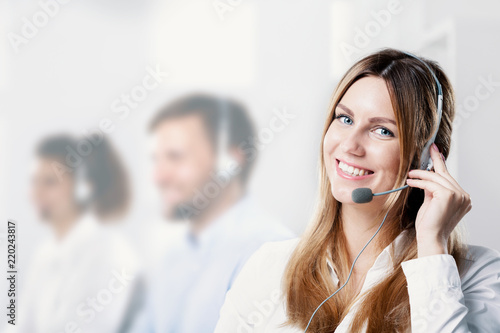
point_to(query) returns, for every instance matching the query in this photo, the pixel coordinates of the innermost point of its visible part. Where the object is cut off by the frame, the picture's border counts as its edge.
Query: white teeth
(352, 170)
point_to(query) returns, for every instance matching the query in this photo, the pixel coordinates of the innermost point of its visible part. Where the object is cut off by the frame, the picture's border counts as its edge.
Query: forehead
(185, 131)
(369, 96)
(47, 167)
(44, 165)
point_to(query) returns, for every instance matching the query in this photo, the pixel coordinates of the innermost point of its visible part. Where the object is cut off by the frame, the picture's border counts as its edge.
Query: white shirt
(92, 262)
(440, 301)
(188, 287)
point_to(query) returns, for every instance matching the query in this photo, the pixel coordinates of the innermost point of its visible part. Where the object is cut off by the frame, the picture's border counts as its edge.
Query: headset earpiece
(224, 158)
(425, 162)
(82, 190)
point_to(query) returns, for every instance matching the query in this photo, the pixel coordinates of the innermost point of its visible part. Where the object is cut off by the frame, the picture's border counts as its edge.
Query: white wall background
(270, 54)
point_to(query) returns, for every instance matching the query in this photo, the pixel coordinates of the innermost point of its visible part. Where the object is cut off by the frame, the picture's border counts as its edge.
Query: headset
(82, 189)
(223, 144)
(364, 195)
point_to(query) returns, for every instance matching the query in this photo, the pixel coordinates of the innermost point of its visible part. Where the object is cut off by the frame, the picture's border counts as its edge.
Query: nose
(161, 173)
(352, 143)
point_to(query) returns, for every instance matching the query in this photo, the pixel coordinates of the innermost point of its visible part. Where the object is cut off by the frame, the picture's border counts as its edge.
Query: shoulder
(251, 221)
(257, 287)
(253, 237)
(106, 246)
(273, 254)
(481, 286)
(480, 262)
(265, 268)
(481, 253)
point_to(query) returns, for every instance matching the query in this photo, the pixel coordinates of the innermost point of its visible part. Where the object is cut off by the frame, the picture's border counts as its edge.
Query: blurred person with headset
(388, 131)
(203, 156)
(83, 278)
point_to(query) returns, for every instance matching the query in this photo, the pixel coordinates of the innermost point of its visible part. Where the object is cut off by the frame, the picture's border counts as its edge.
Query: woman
(82, 278)
(415, 275)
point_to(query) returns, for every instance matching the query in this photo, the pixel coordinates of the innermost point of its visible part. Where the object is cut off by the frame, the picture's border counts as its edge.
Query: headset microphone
(364, 194)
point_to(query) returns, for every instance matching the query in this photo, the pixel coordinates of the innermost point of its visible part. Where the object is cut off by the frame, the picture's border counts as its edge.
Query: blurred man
(203, 154)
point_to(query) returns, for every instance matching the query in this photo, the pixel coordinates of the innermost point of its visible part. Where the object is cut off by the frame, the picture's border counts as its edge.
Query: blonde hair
(307, 281)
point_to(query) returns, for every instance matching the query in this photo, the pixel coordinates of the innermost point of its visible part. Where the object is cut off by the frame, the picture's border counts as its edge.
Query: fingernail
(435, 147)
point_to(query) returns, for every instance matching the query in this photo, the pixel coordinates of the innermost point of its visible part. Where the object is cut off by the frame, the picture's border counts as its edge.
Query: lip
(346, 176)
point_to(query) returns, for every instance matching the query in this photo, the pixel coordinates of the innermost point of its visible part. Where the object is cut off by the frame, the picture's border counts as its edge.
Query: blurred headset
(82, 188)
(224, 157)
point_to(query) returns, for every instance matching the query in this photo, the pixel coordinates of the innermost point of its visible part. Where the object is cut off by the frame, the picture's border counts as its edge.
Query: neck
(359, 225)
(63, 224)
(225, 200)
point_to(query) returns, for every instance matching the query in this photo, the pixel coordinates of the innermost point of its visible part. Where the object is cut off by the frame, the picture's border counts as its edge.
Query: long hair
(307, 280)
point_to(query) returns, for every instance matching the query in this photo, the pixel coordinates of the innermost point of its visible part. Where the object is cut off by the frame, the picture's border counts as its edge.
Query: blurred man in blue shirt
(203, 153)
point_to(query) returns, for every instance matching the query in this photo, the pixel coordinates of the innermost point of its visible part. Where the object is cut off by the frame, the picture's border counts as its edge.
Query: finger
(469, 208)
(434, 177)
(440, 166)
(438, 160)
(467, 203)
(443, 180)
(427, 185)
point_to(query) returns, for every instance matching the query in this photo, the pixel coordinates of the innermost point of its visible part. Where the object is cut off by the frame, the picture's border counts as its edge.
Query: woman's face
(53, 197)
(361, 146)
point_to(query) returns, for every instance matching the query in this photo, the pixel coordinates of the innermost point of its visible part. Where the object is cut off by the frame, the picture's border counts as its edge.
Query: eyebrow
(371, 120)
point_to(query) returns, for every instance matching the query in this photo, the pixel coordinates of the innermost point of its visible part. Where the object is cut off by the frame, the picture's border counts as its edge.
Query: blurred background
(84, 67)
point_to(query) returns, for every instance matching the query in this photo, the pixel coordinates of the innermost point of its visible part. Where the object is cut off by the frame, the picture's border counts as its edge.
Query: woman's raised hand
(445, 204)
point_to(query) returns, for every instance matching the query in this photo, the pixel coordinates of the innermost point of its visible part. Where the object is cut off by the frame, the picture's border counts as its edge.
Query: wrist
(431, 246)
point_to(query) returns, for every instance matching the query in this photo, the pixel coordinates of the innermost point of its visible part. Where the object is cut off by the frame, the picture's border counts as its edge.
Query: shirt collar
(79, 232)
(221, 223)
(383, 261)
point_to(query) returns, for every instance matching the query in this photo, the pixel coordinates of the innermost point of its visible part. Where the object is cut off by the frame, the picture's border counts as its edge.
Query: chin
(342, 195)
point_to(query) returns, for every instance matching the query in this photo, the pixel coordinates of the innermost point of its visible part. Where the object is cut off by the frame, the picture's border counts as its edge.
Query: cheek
(391, 164)
(330, 143)
(187, 173)
(36, 193)
(66, 194)
(194, 173)
(162, 171)
(60, 194)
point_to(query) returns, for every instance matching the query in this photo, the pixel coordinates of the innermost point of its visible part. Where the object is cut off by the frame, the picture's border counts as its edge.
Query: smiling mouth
(353, 171)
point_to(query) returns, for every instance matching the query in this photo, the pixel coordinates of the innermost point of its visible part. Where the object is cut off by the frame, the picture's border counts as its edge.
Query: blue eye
(384, 131)
(344, 119)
